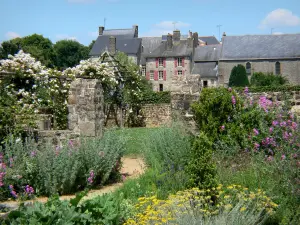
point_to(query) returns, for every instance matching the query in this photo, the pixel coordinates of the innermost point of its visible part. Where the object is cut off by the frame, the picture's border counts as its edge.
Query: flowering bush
(45, 170)
(206, 203)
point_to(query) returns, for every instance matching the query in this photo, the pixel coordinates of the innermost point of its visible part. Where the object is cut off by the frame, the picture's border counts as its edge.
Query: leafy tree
(10, 47)
(91, 45)
(238, 77)
(39, 47)
(68, 53)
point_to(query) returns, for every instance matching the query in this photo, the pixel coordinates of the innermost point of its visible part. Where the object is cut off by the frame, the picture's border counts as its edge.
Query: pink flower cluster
(264, 103)
(2, 170)
(233, 100)
(91, 177)
(29, 190)
(12, 191)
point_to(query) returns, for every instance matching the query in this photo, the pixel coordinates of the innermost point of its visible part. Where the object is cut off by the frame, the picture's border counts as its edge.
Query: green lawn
(135, 139)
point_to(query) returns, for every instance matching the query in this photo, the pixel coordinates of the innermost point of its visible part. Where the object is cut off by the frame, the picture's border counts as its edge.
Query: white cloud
(165, 27)
(93, 34)
(280, 18)
(65, 37)
(11, 35)
(277, 33)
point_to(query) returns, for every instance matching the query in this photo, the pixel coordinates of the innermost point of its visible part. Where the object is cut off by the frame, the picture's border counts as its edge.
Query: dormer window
(160, 62)
(179, 61)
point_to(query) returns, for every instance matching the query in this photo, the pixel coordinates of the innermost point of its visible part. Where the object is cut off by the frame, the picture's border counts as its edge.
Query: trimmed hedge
(270, 88)
(156, 97)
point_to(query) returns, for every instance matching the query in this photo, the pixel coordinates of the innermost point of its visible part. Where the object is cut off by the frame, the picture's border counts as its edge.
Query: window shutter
(155, 75)
(182, 62)
(175, 72)
(175, 62)
(164, 62)
(165, 75)
(156, 62)
(147, 76)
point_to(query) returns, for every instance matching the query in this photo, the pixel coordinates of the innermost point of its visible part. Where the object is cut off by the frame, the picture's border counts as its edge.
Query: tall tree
(238, 77)
(10, 47)
(68, 53)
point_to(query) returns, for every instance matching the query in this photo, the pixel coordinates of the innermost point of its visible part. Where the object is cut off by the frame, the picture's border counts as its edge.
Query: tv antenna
(219, 26)
(174, 23)
(104, 21)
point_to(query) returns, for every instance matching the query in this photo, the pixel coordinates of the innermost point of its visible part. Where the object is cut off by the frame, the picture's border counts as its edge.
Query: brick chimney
(176, 35)
(195, 39)
(169, 42)
(136, 30)
(112, 45)
(101, 29)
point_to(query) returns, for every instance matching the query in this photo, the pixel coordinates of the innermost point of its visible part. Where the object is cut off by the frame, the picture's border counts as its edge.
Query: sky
(80, 19)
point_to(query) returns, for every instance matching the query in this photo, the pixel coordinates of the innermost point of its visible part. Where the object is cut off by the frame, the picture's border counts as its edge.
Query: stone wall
(292, 96)
(157, 114)
(85, 106)
(289, 69)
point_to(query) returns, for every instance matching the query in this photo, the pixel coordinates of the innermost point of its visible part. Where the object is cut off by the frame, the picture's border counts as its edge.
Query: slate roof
(129, 33)
(210, 40)
(179, 49)
(208, 53)
(261, 47)
(205, 69)
(123, 44)
(149, 44)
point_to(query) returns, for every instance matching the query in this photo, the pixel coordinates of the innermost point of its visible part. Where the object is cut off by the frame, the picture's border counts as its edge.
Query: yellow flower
(242, 209)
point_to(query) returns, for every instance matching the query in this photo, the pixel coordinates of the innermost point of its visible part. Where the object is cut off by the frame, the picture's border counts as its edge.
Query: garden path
(132, 167)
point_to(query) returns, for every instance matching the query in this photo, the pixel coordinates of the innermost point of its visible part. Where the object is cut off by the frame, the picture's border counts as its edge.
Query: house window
(277, 68)
(205, 83)
(161, 87)
(248, 68)
(151, 74)
(179, 72)
(160, 62)
(144, 71)
(161, 75)
(179, 61)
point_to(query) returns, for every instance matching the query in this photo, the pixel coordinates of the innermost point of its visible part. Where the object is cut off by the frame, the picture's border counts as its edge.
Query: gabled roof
(129, 33)
(179, 49)
(209, 40)
(205, 69)
(123, 44)
(261, 47)
(208, 53)
(150, 43)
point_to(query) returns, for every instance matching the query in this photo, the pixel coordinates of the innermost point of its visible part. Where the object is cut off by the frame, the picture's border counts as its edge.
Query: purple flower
(233, 100)
(91, 177)
(275, 123)
(246, 91)
(294, 125)
(230, 89)
(71, 144)
(270, 158)
(283, 124)
(255, 132)
(222, 127)
(283, 157)
(29, 190)
(33, 153)
(256, 146)
(271, 129)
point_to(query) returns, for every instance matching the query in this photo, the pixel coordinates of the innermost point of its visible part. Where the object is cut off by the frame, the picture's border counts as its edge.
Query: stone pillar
(176, 35)
(196, 39)
(85, 105)
(169, 42)
(112, 45)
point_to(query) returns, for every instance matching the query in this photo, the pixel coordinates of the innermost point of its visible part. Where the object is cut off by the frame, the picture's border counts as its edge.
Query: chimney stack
(190, 42)
(136, 30)
(176, 35)
(112, 45)
(190, 34)
(101, 29)
(169, 42)
(195, 39)
(224, 34)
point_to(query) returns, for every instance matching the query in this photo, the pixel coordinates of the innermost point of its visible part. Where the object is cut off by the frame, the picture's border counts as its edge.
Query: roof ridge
(262, 35)
(120, 29)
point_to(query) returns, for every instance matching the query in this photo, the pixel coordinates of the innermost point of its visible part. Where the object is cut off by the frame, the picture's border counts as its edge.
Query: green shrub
(201, 167)
(267, 79)
(215, 109)
(238, 77)
(151, 97)
(64, 170)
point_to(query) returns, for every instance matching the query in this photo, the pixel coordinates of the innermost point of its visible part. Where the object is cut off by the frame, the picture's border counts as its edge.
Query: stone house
(169, 65)
(278, 54)
(126, 40)
(206, 60)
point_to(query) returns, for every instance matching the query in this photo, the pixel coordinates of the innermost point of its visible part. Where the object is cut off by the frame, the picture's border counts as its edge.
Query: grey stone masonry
(85, 105)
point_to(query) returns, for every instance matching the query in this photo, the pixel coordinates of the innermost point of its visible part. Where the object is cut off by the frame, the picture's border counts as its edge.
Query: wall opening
(161, 87)
(205, 83)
